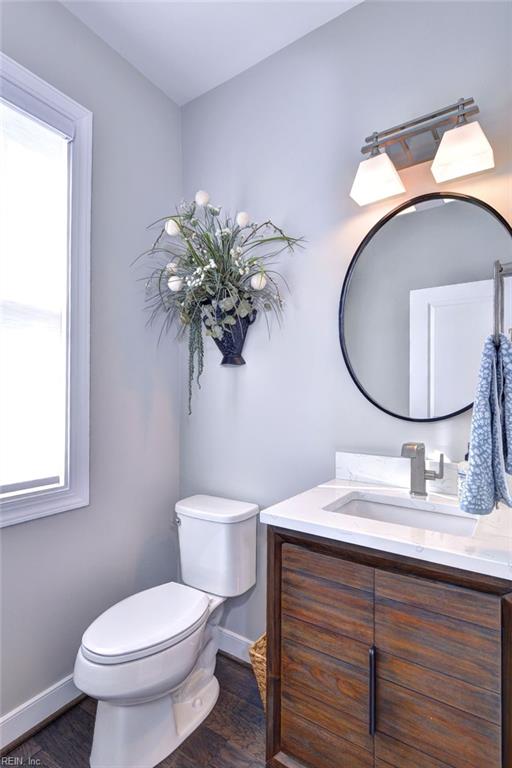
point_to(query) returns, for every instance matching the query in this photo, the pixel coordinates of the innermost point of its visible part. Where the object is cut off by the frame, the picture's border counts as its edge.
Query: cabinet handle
(372, 684)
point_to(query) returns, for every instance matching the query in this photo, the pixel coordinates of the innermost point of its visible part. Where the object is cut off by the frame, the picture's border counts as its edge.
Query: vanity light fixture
(457, 147)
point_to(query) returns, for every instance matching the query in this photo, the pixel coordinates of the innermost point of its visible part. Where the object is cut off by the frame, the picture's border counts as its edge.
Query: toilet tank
(217, 544)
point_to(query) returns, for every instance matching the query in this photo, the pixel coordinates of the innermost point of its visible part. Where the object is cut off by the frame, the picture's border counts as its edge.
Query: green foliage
(201, 277)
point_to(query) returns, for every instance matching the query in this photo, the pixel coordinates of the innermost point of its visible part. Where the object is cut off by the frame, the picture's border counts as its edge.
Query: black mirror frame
(346, 285)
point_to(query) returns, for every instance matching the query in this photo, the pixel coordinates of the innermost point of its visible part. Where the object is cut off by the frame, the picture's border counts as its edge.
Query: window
(45, 171)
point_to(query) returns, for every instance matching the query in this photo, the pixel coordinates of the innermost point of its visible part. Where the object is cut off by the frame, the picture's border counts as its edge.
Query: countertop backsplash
(391, 470)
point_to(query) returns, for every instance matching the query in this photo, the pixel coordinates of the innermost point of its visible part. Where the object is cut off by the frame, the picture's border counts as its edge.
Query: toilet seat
(145, 623)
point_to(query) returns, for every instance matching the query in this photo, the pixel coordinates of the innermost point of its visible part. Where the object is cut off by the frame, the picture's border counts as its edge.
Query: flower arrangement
(213, 275)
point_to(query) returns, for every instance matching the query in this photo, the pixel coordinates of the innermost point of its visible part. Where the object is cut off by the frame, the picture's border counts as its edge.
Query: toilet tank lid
(216, 509)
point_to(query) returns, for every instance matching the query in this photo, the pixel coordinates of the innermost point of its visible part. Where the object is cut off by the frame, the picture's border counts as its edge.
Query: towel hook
(500, 271)
(498, 286)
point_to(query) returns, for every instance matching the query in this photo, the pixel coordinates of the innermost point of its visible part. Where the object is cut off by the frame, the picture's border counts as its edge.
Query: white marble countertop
(488, 550)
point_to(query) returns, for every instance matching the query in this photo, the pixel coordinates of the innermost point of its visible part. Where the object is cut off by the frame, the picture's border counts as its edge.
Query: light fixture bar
(401, 134)
(461, 105)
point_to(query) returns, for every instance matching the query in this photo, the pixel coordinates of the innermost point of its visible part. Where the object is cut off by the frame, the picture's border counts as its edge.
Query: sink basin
(452, 521)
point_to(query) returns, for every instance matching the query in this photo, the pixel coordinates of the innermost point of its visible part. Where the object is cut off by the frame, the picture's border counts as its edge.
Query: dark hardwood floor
(233, 736)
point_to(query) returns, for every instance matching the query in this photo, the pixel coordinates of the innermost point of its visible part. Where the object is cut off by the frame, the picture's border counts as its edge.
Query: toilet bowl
(150, 659)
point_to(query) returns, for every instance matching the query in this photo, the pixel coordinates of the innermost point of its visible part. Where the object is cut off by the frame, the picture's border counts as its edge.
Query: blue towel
(490, 455)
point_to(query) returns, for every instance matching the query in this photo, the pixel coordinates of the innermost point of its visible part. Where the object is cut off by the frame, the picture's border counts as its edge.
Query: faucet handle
(431, 474)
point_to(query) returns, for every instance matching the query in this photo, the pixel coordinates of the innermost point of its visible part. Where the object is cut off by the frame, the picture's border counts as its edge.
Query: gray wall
(283, 139)
(58, 573)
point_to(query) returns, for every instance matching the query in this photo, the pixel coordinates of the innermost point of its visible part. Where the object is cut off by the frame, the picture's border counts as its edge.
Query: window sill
(41, 504)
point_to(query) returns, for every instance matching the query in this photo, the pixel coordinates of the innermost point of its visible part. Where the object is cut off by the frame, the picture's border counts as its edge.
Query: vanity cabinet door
(327, 609)
(438, 675)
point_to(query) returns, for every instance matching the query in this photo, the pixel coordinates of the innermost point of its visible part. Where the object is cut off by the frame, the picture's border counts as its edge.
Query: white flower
(258, 282)
(175, 283)
(202, 197)
(212, 263)
(172, 228)
(171, 267)
(242, 219)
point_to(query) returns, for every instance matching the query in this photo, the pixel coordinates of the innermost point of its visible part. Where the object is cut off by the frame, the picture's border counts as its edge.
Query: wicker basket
(258, 655)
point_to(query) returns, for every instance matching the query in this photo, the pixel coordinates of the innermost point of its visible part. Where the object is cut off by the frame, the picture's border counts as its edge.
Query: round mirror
(417, 304)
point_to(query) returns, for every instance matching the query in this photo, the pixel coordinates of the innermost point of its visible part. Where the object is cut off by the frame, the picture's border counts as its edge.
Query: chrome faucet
(419, 474)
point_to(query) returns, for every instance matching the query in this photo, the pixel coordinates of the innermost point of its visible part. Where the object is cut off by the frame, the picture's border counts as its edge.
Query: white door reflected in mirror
(448, 326)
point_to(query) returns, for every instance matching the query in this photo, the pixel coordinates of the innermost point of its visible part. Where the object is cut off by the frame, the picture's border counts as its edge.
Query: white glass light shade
(376, 179)
(463, 150)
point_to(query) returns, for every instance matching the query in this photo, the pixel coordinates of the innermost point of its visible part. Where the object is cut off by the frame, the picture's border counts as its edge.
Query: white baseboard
(235, 645)
(28, 715)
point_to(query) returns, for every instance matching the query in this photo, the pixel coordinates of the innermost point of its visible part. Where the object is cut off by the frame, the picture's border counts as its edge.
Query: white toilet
(150, 659)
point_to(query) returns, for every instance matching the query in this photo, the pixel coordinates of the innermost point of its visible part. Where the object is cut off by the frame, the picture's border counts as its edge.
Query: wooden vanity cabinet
(380, 661)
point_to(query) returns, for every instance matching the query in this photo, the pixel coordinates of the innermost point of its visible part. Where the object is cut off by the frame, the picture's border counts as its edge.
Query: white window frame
(29, 93)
